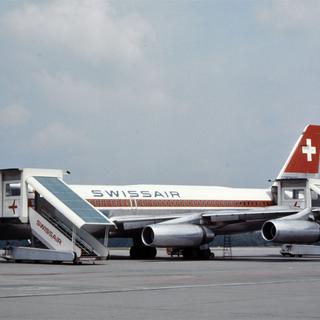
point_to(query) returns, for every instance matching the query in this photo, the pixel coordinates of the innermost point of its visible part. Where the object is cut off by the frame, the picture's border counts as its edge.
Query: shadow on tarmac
(268, 258)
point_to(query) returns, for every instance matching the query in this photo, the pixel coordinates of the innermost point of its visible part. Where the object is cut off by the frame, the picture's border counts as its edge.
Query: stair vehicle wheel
(75, 259)
(285, 254)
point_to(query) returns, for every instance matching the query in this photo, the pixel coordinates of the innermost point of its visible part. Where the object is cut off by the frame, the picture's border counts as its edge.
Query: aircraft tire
(189, 253)
(142, 252)
(150, 252)
(205, 254)
(134, 252)
(196, 254)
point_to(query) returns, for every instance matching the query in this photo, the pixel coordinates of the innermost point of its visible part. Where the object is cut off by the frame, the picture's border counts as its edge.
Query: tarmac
(257, 283)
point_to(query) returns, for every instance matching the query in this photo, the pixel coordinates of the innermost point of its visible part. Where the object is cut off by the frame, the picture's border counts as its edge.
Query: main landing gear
(140, 251)
(197, 254)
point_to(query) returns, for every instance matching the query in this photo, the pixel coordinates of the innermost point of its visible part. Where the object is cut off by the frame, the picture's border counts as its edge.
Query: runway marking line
(141, 289)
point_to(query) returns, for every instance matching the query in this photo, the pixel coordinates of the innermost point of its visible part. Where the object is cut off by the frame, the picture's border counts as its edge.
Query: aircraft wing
(246, 215)
(128, 223)
(211, 217)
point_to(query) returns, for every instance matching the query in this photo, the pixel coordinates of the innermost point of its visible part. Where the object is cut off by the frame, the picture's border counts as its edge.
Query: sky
(204, 92)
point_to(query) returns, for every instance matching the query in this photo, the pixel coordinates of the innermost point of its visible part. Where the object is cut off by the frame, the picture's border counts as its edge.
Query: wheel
(196, 253)
(284, 254)
(205, 254)
(134, 252)
(142, 252)
(75, 259)
(150, 252)
(190, 253)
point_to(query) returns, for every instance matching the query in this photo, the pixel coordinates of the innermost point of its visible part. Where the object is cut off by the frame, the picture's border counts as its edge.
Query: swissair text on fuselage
(135, 194)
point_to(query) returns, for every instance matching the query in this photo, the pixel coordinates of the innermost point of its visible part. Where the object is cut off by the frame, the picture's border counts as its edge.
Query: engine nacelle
(291, 231)
(176, 235)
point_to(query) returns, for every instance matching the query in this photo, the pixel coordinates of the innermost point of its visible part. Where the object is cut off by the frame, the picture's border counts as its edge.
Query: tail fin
(305, 156)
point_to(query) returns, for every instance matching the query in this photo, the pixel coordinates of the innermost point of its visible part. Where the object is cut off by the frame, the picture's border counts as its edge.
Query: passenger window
(288, 194)
(298, 194)
(13, 189)
(314, 195)
(294, 194)
(315, 199)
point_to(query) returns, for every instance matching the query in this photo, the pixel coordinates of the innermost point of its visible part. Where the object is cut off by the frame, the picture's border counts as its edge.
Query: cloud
(88, 29)
(148, 92)
(58, 135)
(289, 14)
(66, 93)
(13, 116)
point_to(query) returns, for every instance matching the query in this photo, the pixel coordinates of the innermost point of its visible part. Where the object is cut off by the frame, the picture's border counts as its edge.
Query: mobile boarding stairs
(61, 225)
(300, 192)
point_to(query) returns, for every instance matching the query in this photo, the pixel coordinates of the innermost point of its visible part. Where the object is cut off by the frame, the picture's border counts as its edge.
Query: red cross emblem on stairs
(13, 207)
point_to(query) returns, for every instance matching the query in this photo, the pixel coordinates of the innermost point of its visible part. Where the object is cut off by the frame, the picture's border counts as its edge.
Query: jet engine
(176, 235)
(291, 231)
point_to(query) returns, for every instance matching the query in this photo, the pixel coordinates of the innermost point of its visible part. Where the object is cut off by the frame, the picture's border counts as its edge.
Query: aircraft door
(134, 205)
(11, 199)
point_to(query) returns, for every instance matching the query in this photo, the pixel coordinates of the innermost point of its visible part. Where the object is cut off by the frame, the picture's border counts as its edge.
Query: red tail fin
(305, 156)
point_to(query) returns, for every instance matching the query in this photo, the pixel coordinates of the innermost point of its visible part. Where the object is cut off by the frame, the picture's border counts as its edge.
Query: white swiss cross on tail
(304, 159)
(309, 150)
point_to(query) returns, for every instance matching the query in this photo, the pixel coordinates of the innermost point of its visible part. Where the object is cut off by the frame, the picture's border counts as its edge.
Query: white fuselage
(171, 197)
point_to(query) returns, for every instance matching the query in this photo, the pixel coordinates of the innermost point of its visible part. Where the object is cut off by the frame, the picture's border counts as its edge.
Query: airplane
(188, 218)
